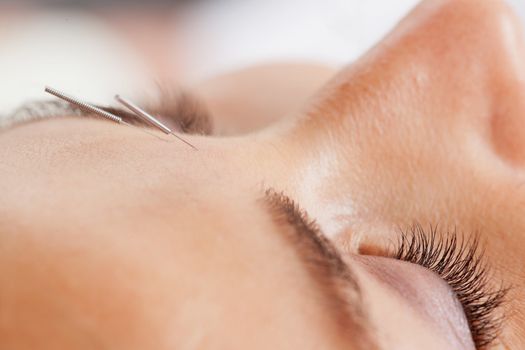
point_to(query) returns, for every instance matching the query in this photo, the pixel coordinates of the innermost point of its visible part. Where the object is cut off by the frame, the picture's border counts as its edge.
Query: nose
(481, 52)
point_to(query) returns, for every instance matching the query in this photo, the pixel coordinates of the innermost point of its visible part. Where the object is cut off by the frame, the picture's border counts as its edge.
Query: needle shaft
(83, 105)
(142, 114)
(148, 118)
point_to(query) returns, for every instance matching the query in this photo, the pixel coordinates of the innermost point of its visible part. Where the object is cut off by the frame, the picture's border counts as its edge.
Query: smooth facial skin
(112, 238)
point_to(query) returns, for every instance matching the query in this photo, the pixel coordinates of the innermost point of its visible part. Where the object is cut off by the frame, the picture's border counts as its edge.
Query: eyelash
(459, 262)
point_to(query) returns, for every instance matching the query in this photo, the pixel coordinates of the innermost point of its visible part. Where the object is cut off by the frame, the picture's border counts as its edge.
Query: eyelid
(418, 291)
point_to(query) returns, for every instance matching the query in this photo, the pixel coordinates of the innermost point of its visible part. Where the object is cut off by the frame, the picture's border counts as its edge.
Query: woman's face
(114, 238)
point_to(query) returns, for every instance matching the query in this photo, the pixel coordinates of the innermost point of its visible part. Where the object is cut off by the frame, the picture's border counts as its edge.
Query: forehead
(68, 175)
(121, 221)
(96, 165)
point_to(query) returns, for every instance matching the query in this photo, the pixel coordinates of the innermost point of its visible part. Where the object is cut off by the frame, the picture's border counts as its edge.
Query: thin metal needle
(148, 118)
(85, 106)
(90, 108)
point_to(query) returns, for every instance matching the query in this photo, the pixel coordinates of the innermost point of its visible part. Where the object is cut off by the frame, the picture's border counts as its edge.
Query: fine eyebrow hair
(325, 264)
(178, 110)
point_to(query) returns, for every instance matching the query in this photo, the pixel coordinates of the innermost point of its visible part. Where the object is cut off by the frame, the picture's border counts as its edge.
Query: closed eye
(459, 262)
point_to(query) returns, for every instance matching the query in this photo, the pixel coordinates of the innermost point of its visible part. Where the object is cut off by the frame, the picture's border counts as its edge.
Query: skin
(113, 238)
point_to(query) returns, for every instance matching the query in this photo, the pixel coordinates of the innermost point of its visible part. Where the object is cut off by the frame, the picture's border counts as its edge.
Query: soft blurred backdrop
(95, 49)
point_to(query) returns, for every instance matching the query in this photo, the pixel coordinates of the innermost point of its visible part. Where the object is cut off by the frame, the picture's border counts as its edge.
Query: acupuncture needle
(148, 118)
(90, 108)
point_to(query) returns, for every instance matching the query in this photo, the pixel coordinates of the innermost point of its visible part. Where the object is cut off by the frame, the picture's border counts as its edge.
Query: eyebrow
(325, 264)
(179, 110)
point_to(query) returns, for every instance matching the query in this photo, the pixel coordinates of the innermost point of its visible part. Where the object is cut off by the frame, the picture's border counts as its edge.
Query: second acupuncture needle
(148, 118)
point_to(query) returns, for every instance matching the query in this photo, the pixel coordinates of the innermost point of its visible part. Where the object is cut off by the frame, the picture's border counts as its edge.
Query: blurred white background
(82, 53)
(330, 31)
